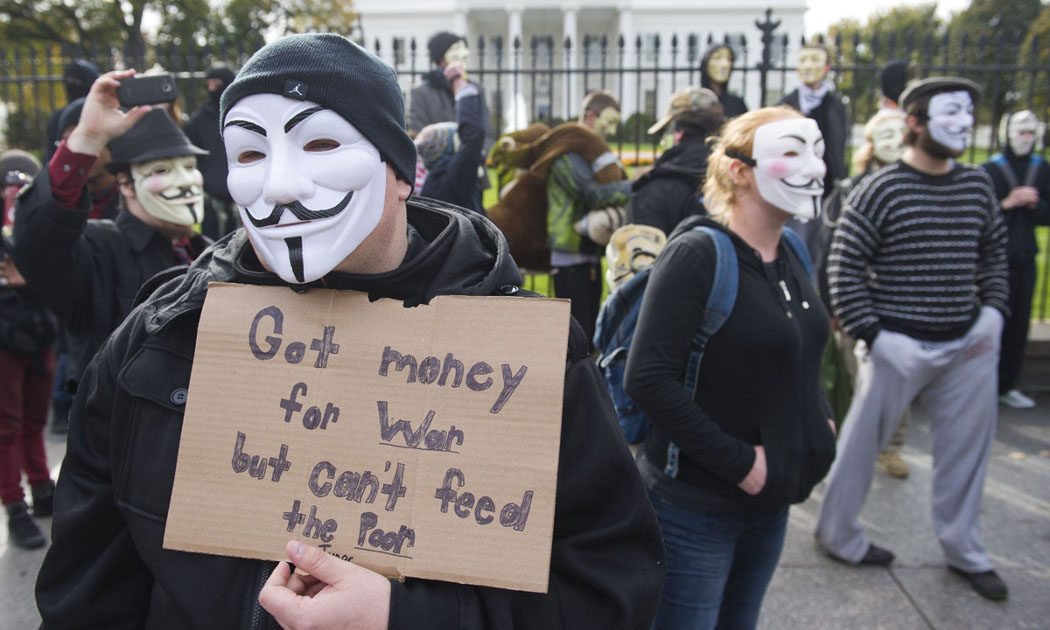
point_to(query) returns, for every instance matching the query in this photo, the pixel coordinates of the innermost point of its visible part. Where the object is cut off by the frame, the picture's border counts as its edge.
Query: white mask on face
(812, 65)
(170, 189)
(1021, 130)
(310, 188)
(789, 165)
(457, 53)
(719, 65)
(950, 119)
(606, 123)
(887, 139)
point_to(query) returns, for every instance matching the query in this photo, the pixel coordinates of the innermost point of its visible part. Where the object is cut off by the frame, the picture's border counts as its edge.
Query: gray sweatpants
(955, 384)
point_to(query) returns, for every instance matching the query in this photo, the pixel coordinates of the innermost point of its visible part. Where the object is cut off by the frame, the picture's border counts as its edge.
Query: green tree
(1035, 51)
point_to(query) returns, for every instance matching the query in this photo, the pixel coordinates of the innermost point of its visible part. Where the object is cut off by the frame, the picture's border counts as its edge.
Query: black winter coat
(1021, 222)
(106, 566)
(832, 120)
(455, 179)
(203, 131)
(86, 272)
(670, 192)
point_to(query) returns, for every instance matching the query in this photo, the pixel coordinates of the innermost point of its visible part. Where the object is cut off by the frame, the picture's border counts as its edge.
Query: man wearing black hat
(893, 77)
(433, 100)
(321, 170)
(88, 272)
(917, 271)
(203, 131)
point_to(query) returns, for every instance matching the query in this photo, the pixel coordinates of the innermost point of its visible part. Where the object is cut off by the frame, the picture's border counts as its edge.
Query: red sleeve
(69, 174)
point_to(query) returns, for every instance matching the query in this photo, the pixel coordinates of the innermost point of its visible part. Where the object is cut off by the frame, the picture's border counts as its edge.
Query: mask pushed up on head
(170, 189)
(788, 159)
(950, 119)
(1019, 132)
(887, 137)
(310, 188)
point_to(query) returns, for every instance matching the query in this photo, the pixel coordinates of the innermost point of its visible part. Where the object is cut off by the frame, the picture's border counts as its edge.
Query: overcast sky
(823, 13)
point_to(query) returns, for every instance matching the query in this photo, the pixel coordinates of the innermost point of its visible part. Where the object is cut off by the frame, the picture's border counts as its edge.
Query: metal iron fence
(545, 79)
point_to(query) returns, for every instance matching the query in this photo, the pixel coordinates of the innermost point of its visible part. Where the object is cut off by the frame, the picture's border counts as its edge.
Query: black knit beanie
(339, 75)
(892, 79)
(439, 43)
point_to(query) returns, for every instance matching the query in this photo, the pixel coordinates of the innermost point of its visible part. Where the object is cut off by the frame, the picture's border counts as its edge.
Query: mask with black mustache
(170, 189)
(788, 160)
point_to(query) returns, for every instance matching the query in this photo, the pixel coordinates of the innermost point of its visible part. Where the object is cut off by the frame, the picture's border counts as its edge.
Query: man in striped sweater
(917, 271)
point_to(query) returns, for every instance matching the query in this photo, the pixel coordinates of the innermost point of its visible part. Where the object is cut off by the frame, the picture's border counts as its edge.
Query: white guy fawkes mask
(1021, 130)
(812, 65)
(310, 188)
(457, 53)
(170, 189)
(887, 139)
(951, 119)
(789, 165)
(606, 123)
(719, 65)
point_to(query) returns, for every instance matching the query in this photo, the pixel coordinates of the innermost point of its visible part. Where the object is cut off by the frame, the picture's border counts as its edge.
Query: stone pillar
(570, 82)
(630, 60)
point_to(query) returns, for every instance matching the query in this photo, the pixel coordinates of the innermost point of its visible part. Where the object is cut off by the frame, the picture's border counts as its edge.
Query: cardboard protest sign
(414, 441)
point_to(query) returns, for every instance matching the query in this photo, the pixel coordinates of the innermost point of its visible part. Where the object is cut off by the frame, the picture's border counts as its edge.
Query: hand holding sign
(335, 594)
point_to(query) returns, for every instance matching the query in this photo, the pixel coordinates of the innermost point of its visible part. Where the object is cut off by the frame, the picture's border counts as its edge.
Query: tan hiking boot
(892, 464)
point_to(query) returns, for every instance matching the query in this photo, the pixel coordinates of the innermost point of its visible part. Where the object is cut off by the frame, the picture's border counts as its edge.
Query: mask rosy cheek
(778, 168)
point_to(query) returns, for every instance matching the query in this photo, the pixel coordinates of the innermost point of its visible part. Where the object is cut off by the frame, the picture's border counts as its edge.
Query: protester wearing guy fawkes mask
(722, 464)
(321, 170)
(816, 98)
(1021, 178)
(88, 272)
(930, 318)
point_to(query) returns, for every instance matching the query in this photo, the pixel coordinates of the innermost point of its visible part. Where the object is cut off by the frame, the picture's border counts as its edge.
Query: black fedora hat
(154, 137)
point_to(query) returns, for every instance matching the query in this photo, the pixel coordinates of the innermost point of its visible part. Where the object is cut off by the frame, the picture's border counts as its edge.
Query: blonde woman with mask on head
(723, 461)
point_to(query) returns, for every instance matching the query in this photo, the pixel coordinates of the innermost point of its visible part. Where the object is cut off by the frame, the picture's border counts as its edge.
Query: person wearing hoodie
(203, 131)
(298, 144)
(670, 192)
(715, 68)
(78, 76)
(725, 460)
(1022, 186)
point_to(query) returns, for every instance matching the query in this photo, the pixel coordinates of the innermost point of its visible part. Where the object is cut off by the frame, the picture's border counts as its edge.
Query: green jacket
(571, 193)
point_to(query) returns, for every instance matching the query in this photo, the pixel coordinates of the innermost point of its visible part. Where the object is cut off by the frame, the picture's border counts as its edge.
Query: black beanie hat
(220, 71)
(439, 43)
(339, 75)
(153, 137)
(79, 75)
(893, 78)
(70, 116)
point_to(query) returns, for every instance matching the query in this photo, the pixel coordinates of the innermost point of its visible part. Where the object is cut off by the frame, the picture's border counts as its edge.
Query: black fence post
(767, 27)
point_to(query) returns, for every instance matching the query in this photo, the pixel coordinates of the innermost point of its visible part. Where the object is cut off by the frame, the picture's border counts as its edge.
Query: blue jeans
(718, 565)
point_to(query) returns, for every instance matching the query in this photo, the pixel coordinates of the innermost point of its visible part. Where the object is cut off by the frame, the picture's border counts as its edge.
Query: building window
(650, 50)
(592, 53)
(738, 42)
(399, 51)
(650, 102)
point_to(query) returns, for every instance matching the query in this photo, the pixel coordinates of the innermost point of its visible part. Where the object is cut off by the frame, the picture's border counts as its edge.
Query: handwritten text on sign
(419, 442)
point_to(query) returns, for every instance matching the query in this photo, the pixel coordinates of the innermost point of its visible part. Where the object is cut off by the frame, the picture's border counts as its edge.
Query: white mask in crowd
(457, 53)
(719, 65)
(950, 119)
(812, 65)
(887, 139)
(607, 122)
(310, 188)
(170, 189)
(789, 165)
(1021, 130)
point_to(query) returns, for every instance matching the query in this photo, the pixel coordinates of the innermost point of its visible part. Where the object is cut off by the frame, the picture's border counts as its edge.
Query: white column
(569, 83)
(630, 60)
(515, 108)
(459, 24)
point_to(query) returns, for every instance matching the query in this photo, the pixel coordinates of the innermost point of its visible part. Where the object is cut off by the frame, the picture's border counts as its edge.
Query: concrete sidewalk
(812, 591)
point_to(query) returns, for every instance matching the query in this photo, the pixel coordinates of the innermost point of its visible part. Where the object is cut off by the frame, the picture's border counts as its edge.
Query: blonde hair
(738, 137)
(865, 155)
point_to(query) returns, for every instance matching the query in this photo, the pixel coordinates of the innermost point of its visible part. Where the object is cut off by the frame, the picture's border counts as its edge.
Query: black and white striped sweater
(918, 254)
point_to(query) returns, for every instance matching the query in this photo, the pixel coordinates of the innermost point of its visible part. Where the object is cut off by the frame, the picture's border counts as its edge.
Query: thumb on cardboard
(317, 563)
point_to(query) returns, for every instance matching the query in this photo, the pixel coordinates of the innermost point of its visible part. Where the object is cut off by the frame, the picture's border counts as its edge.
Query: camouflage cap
(688, 99)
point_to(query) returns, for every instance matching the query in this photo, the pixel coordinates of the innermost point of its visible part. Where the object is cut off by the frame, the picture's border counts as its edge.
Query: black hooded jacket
(732, 105)
(106, 567)
(1021, 222)
(670, 192)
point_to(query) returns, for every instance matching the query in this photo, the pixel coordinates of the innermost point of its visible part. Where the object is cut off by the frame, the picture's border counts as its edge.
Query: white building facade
(652, 71)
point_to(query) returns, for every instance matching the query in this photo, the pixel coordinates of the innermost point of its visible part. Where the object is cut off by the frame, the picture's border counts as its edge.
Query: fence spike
(568, 44)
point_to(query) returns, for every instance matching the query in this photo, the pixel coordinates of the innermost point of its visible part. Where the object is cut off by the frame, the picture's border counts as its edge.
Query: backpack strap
(719, 305)
(1034, 162)
(1007, 171)
(799, 247)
